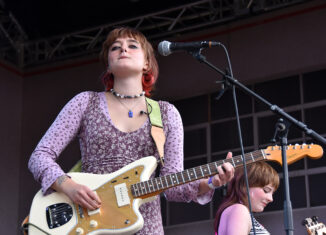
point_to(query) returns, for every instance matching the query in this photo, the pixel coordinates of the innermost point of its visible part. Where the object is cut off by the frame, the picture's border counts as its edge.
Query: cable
(239, 133)
(25, 228)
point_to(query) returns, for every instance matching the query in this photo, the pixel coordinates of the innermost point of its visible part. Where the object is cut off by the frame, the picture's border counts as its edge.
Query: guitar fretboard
(168, 181)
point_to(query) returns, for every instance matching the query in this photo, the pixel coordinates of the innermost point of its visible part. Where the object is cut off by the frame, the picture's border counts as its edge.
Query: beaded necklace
(119, 97)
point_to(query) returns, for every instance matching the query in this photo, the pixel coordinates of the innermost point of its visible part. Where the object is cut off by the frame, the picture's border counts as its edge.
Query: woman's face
(260, 197)
(126, 57)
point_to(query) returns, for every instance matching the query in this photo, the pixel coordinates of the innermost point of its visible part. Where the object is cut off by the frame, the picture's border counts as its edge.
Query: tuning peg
(314, 218)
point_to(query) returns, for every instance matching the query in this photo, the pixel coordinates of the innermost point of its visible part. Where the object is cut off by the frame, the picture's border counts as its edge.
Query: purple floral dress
(105, 149)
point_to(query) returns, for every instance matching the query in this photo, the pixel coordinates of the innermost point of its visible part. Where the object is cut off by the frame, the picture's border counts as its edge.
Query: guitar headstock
(294, 152)
(313, 226)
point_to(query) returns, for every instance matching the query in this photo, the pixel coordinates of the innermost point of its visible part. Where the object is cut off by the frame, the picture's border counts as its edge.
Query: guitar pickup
(121, 193)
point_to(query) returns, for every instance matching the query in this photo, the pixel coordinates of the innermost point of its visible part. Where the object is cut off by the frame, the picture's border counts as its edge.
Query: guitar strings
(198, 171)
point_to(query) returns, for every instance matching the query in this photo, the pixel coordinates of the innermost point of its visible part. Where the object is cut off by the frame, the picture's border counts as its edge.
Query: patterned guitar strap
(156, 126)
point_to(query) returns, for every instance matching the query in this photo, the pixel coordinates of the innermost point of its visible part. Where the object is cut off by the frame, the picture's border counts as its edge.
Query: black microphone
(165, 48)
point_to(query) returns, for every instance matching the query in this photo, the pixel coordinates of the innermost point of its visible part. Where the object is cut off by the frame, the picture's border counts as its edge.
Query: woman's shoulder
(85, 96)
(82, 99)
(168, 108)
(235, 218)
(237, 209)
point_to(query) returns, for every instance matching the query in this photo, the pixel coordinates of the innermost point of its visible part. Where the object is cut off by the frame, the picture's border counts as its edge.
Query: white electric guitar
(313, 226)
(123, 191)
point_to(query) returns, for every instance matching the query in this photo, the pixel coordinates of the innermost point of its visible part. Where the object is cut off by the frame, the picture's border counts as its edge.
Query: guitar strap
(157, 132)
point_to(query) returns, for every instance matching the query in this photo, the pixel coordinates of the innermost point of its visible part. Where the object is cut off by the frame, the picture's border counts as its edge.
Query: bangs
(261, 174)
(125, 33)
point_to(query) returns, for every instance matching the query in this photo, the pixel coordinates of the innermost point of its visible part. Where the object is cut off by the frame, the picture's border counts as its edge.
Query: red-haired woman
(113, 131)
(233, 217)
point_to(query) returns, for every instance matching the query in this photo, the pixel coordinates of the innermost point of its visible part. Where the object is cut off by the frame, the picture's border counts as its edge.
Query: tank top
(259, 229)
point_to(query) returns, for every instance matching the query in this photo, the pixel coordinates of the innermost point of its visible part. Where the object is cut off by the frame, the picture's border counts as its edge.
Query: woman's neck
(128, 85)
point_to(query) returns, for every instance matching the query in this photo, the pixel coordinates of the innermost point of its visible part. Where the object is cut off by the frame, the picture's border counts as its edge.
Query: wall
(10, 145)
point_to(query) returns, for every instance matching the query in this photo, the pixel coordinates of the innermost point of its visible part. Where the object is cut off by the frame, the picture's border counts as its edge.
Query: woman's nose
(123, 48)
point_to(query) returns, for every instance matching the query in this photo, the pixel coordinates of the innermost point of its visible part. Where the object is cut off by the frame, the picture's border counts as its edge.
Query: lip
(123, 57)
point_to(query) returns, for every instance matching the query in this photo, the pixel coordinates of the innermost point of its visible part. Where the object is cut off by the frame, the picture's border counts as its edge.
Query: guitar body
(119, 212)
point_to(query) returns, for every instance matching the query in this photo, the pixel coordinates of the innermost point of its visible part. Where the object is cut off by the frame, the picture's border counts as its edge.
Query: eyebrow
(128, 40)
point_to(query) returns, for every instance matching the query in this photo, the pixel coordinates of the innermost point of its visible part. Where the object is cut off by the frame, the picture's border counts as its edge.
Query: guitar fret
(161, 182)
(193, 170)
(139, 189)
(252, 157)
(188, 175)
(238, 160)
(201, 170)
(206, 170)
(209, 170)
(183, 179)
(171, 180)
(175, 178)
(136, 190)
(217, 166)
(263, 153)
(233, 162)
(166, 182)
(153, 185)
(144, 187)
(158, 184)
(148, 186)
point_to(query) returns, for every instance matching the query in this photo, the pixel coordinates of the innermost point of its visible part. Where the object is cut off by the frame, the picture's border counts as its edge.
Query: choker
(126, 96)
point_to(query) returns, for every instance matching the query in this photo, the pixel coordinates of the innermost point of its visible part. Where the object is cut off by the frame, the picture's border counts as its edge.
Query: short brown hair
(149, 76)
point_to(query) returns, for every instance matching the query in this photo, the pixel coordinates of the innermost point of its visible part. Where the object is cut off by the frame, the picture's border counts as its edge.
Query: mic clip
(143, 112)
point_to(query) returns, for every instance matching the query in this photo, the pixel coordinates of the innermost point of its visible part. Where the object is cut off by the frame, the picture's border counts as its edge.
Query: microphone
(165, 48)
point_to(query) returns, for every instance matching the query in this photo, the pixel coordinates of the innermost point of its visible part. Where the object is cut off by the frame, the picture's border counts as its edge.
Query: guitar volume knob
(93, 223)
(79, 231)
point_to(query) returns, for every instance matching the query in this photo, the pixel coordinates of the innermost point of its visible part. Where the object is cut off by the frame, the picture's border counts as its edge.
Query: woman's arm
(235, 220)
(173, 154)
(43, 164)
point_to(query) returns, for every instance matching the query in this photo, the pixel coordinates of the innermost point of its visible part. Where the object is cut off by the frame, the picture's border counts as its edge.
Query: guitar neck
(157, 185)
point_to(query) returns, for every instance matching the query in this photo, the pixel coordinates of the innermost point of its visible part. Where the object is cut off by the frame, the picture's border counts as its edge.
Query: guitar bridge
(58, 214)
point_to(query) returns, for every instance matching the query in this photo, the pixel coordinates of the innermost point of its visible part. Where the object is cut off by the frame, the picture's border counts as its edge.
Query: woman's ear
(146, 67)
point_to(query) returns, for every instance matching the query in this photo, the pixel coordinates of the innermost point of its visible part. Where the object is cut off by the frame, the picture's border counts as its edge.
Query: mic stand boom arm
(274, 108)
(288, 218)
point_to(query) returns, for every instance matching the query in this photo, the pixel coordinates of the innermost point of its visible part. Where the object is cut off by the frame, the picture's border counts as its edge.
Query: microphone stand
(281, 131)
(229, 79)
